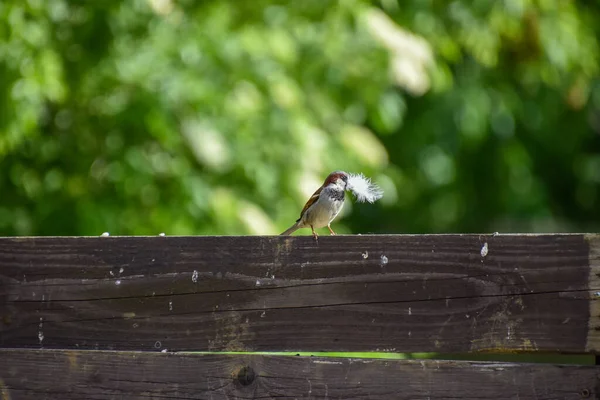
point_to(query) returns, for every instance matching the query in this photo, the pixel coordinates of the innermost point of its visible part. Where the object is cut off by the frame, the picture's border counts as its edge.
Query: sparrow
(323, 206)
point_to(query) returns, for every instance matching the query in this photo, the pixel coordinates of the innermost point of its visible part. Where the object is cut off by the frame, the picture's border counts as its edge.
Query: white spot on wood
(157, 344)
(566, 321)
(484, 250)
(111, 273)
(105, 234)
(257, 282)
(365, 255)
(327, 362)
(118, 282)
(195, 276)
(384, 260)
(264, 314)
(121, 270)
(135, 325)
(409, 310)
(40, 331)
(163, 351)
(170, 306)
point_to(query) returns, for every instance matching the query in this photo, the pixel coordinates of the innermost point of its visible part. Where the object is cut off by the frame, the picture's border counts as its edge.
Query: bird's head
(337, 179)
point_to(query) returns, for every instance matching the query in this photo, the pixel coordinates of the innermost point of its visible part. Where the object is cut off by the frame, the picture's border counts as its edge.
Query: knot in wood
(246, 376)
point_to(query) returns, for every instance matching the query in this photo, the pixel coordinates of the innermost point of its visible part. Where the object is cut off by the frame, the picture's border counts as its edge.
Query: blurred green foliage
(222, 117)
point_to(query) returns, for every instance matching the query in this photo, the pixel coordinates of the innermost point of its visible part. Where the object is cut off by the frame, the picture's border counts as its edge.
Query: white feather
(363, 189)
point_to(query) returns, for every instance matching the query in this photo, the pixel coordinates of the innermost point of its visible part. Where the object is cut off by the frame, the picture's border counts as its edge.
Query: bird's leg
(314, 233)
(331, 230)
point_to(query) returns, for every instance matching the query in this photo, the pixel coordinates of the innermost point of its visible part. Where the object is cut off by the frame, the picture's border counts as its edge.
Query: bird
(323, 206)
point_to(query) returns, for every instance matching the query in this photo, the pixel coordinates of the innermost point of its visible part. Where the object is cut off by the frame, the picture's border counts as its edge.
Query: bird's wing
(310, 202)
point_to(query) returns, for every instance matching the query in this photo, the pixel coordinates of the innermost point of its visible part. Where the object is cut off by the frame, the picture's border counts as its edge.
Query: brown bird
(323, 206)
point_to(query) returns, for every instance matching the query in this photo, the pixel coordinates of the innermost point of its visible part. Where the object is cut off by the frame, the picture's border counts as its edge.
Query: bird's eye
(344, 178)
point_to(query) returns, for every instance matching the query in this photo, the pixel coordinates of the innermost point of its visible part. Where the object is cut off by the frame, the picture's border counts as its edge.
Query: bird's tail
(292, 229)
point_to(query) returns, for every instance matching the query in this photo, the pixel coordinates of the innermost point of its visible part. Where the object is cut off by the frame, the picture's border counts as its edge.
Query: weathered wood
(593, 342)
(55, 374)
(444, 293)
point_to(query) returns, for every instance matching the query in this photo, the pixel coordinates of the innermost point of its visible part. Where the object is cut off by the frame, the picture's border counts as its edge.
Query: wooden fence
(119, 317)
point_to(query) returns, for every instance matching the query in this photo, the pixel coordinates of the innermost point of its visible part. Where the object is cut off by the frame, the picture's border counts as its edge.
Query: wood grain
(593, 343)
(56, 374)
(441, 293)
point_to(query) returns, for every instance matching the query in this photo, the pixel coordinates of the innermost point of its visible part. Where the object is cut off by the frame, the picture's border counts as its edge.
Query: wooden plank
(441, 293)
(593, 341)
(56, 374)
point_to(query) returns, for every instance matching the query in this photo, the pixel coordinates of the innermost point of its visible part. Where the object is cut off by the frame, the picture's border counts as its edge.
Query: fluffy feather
(363, 188)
